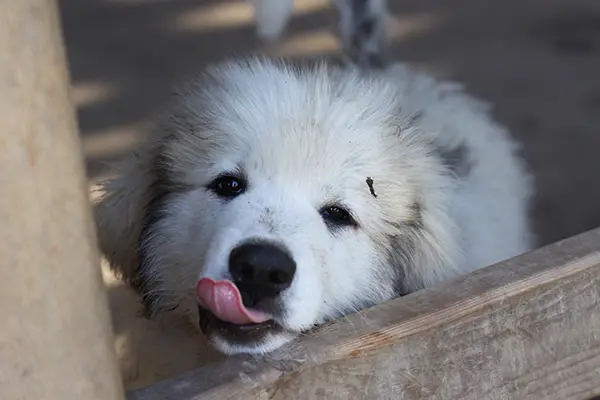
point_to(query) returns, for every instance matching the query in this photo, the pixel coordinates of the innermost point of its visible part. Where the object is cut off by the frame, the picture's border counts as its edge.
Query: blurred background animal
(362, 27)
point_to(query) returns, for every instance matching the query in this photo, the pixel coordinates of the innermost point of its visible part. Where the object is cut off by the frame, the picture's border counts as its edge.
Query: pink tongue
(224, 300)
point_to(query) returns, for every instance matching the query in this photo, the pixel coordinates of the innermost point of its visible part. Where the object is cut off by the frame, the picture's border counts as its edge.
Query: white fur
(305, 138)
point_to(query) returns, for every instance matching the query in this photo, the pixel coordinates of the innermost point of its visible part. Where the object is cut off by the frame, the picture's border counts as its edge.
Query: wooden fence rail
(527, 328)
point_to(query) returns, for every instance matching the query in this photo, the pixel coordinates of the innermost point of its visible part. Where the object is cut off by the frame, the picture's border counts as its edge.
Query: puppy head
(276, 198)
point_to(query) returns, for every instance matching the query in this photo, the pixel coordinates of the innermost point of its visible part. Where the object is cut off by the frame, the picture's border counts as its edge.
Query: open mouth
(221, 311)
(246, 333)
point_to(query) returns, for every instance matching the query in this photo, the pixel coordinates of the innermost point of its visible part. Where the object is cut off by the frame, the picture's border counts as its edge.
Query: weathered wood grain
(527, 328)
(55, 336)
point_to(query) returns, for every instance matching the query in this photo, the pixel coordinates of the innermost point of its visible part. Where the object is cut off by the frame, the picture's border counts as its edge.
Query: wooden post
(55, 335)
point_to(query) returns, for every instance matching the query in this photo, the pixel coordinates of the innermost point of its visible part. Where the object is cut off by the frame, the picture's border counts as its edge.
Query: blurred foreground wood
(527, 328)
(55, 336)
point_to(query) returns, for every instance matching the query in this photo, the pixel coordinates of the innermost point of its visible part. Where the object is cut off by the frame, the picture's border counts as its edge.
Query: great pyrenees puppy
(273, 197)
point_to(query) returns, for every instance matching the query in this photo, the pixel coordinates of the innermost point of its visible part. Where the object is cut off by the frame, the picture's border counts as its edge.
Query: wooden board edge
(386, 323)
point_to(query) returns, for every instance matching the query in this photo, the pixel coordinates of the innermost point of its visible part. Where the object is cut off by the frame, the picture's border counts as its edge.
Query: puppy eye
(337, 215)
(228, 186)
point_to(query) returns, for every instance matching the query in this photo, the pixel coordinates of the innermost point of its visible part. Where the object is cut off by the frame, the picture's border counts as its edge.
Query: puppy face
(275, 199)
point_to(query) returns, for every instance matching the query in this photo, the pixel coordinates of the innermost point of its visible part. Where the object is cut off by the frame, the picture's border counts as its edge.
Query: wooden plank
(527, 328)
(55, 336)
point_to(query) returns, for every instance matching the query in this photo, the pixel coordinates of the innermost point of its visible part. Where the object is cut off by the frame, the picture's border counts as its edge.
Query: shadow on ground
(536, 61)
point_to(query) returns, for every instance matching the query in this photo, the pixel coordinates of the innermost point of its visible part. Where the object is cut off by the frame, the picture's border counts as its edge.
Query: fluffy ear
(120, 212)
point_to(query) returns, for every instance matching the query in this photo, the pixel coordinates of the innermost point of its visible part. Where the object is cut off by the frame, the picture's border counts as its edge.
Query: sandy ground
(536, 61)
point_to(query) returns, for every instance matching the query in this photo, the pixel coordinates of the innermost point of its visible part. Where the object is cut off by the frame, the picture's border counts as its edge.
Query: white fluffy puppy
(276, 197)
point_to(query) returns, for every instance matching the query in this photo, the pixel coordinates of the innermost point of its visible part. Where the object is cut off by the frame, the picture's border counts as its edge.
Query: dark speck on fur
(370, 185)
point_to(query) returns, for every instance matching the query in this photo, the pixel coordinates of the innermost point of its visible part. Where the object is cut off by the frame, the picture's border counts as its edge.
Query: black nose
(261, 271)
